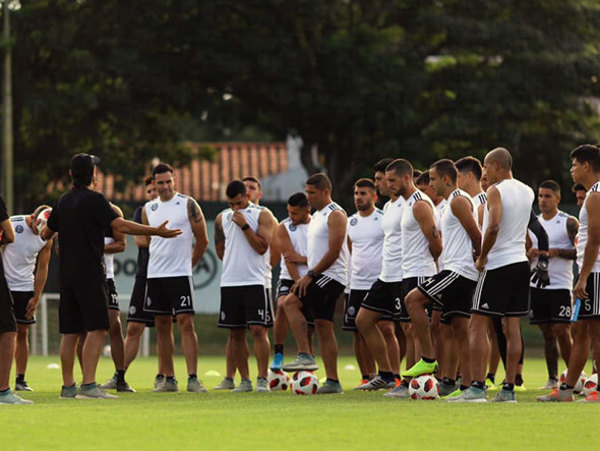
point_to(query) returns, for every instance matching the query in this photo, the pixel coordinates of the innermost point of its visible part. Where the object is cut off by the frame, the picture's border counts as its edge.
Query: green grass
(252, 421)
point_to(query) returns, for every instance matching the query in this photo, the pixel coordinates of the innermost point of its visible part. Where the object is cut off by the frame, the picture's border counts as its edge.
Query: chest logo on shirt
(154, 207)
(353, 221)
(293, 227)
(19, 229)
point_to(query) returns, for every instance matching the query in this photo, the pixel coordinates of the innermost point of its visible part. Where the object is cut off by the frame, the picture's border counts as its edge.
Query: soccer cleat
(262, 385)
(244, 387)
(505, 396)
(329, 388)
(520, 388)
(399, 392)
(489, 383)
(454, 394)
(226, 384)
(301, 363)
(557, 395)
(420, 368)
(393, 384)
(592, 397)
(445, 389)
(22, 386)
(195, 386)
(376, 383)
(169, 386)
(277, 362)
(123, 386)
(111, 384)
(158, 381)
(93, 392)
(68, 392)
(363, 382)
(10, 397)
(471, 395)
(551, 384)
(494, 387)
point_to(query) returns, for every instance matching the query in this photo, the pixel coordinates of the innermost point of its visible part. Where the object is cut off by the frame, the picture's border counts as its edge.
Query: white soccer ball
(304, 383)
(106, 352)
(591, 384)
(42, 219)
(579, 385)
(278, 380)
(424, 387)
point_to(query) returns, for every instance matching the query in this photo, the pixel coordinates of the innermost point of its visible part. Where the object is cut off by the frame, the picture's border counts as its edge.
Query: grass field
(252, 421)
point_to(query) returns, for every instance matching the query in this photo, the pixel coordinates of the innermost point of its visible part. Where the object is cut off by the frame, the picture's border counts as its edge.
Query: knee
(163, 323)
(186, 325)
(290, 301)
(22, 332)
(413, 299)
(387, 330)
(258, 332)
(237, 335)
(362, 320)
(135, 330)
(323, 327)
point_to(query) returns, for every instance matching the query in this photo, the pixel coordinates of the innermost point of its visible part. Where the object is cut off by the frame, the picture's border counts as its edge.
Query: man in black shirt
(80, 217)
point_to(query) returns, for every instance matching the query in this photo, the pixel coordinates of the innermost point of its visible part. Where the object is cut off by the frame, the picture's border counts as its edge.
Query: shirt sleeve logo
(154, 207)
(293, 227)
(19, 229)
(353, 221)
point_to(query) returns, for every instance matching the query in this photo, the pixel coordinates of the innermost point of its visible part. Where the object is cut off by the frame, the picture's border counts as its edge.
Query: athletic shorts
(321, 297)
(590, 307)
(450, 293)
(283, 289)
(8, 322)
(136, 313)
(550, 306)
(245, 306)
(113, 296)
(20, 301)
(503, 291)
(352, 303)
(83, 308)
(408, 285)
(169, 296)
(385, 298)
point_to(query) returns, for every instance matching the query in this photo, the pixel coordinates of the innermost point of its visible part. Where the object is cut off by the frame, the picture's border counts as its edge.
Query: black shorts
(451, 293)
(283, 289)
(385, 298)
(550, 306)
(408, 285)
(8, 322)
(169, 295)
(321, 297)
(503, 291)
(590, 307)
(20, 301)
(83, 308)
(113, 296)
(245, 306)
(136, 313)
(352, 303)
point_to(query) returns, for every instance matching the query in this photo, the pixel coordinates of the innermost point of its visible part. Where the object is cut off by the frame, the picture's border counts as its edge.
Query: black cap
(83, 163)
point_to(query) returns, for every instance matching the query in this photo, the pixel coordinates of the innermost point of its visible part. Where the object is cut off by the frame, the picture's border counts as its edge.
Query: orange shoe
(557, 395)
(592, 397)
(363, 382)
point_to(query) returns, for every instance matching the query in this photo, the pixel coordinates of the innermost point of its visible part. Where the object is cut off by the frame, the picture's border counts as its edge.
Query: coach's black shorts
(136, 313)
(408, 285)
(385, 298)
(83, 308)
(245, 306)
(321, 297)
(550, 306)
(503, 291)
(169, 295)
(283, 289)
(8, 322)
(451, 293)
(20, 301)
(590, 307)
(113, 296)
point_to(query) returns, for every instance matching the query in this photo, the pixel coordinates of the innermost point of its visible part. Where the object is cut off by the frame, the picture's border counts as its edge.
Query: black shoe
(123, 386)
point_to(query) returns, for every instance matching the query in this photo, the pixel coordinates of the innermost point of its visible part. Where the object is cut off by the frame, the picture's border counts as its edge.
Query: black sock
(463, 387)
(365, 377)
(120, 375)
(20, 378)
(405, 383)
(478, 384)
(170, 378)
(333, 380)
(278, 349)
(160, 376)
(192, 376)
(507, 386)
(492, 377)
(386, 375)
(229, 378)
(397, 376)
(564, 386)
(553, 378)
(448, 381)
(428, 360)
(519, 379)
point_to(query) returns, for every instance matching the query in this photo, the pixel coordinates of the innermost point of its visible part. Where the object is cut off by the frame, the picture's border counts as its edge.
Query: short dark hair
(446, 167)
(235, 188)
(470, 164)
(298, 200)
(251, 178)
(417, 174)
(400, 166)
(364, 183)
(382, 164)
(578, 187)
(587, 153)
(148, 180)
(319, 181)
(161, 168)
(423, 179)
(550, 184)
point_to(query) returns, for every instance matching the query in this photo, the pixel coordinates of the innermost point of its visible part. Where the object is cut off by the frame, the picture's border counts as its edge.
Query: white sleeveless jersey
(416, 258)
(109, 259)
(19, 256)
(391, 262)
(366, 234)
(479, 199)
(582, 235)
(560, 270)
(298, 234)
(517, 199)
(170, 257)
(318, 244)
(457, 251)
(242, 265)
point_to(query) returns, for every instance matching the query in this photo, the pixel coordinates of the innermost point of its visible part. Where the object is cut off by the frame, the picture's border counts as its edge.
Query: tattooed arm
(219, 237)
(423, 213)
(198, 229)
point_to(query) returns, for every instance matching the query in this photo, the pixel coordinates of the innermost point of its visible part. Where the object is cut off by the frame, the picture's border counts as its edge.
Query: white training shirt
(318, 244)
(298, 234)
(457, 253)
(391, 262)
(366, 234)
(170, 257)
(560, 270)
(19, 256)
(517, 199)
(416, 257)
(109, 259)
(582, 235)
(242, 265)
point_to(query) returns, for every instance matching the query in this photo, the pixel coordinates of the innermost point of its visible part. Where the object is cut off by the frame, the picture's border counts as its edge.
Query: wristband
(311, 274)
(245, 227)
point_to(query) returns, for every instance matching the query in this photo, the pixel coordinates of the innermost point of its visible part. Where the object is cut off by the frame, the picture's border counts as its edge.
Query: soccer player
(423, 183)
(451, 289)
(243, 234)
(19, 260)
(503, 286)
(551, 305)
(585, 169)
(580, 193)
(319, 289)
(469, 180)
(169, 289)
(80, 217)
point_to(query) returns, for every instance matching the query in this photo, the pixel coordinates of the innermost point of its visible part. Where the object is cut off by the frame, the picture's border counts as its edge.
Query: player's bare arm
(119, 243)
(41, 275)
(592, 205)
(494, 206)
(480, 210)
(569, 254)
(285, 247)
(198, 224)
(141, 240)
(133, 228)
(259, 240)
(462, 209)
(423, 213)
(275, 249)
(219, 237)
(8, 233)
